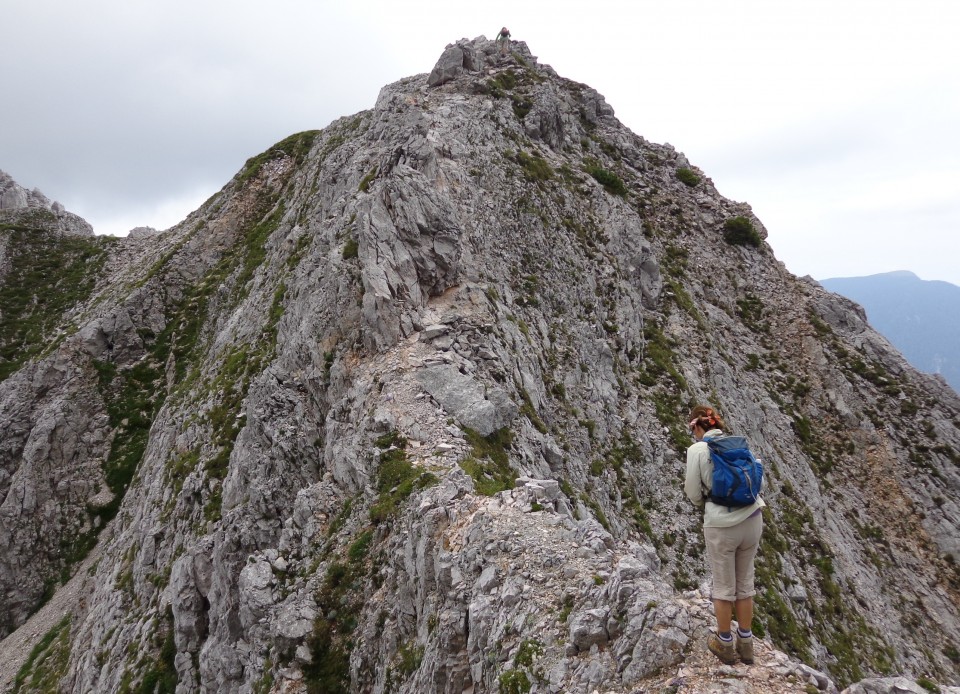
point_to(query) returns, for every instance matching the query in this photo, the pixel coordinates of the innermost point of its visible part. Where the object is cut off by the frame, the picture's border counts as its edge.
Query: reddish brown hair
(706, 418)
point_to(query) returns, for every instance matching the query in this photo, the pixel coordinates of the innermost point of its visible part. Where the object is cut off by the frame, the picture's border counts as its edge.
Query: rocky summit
(402, 409)
(31, 209)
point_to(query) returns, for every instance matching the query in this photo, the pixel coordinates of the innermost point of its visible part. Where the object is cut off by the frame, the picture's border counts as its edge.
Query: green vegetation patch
(296, 146)
(252, 245)
(329, 669)
(489, 461)
(521, 105)
(159, 672)
(659, 358)
(612, 183)
(688, 177)
(368, 179)
(773, 615)
(47, 663)
(856, 646)
(528, 651)
(674, 260)
(409, 657)
(397, 478)
(514, 682)
(133, 397)
(238, 366)
(751, 311)
(505, 81)
(597, 511)
(360, 547)
(351, 249)
(535, 167)
(340, 601)
(739, 231)
(530, 412)
(48, 275)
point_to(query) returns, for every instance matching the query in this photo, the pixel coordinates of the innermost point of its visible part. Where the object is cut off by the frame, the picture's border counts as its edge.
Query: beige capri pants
(731, 552)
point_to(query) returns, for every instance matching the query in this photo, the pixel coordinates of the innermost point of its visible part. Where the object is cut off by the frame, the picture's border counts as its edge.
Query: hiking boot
(745, 649)
(724, 650)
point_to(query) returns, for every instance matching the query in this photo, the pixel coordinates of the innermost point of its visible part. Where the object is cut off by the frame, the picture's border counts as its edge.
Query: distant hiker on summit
(724, 479)
(503, 40)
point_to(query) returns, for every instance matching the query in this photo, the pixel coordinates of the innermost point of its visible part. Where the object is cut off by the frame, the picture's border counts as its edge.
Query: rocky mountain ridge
(33, 210)
(401, 409)
(909, 312)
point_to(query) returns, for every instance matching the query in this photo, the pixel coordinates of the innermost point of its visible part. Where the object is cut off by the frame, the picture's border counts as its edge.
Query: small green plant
(739, 231)
(528, 651)
(530, 412)
(929, 685)
(688, 177)
(514, 682)
(489, 461)
(951, 652)
(521, 105)
(339, 601)
(368, 179)
(360, 547)
(565, 609)
(161, 675)
(351, 249)
(597, 511)
(750, 308)
(609, 180)
(506, 80)
(397, 478)
(411, 656)
(534, 166)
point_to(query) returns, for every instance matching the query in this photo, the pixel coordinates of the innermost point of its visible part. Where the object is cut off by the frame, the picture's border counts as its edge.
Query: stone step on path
(70, 599)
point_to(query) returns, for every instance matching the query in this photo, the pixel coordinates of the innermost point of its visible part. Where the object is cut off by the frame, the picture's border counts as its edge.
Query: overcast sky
(836, 120)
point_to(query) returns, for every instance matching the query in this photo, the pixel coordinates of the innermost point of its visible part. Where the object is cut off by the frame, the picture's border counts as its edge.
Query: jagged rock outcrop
(32, 209)
(401, 409)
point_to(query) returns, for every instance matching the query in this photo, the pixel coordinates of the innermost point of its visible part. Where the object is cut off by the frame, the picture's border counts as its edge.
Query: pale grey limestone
(33, 209)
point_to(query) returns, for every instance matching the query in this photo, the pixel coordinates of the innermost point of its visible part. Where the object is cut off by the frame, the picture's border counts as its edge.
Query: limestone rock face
(402, 408)
(470, 57)
(31, 208)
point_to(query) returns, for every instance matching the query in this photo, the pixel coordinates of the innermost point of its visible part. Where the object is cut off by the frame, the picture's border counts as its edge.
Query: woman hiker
(732, 535)
(503, 41)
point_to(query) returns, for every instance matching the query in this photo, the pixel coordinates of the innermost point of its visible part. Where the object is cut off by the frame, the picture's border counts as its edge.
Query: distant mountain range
(918, 316)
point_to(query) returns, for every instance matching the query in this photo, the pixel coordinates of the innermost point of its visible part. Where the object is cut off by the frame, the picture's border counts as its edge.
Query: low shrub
(739, 231)
(688, 177)
(609, 180)
(351, 249)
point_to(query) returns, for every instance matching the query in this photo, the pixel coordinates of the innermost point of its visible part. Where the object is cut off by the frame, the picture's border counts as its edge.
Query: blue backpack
(737, 475)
